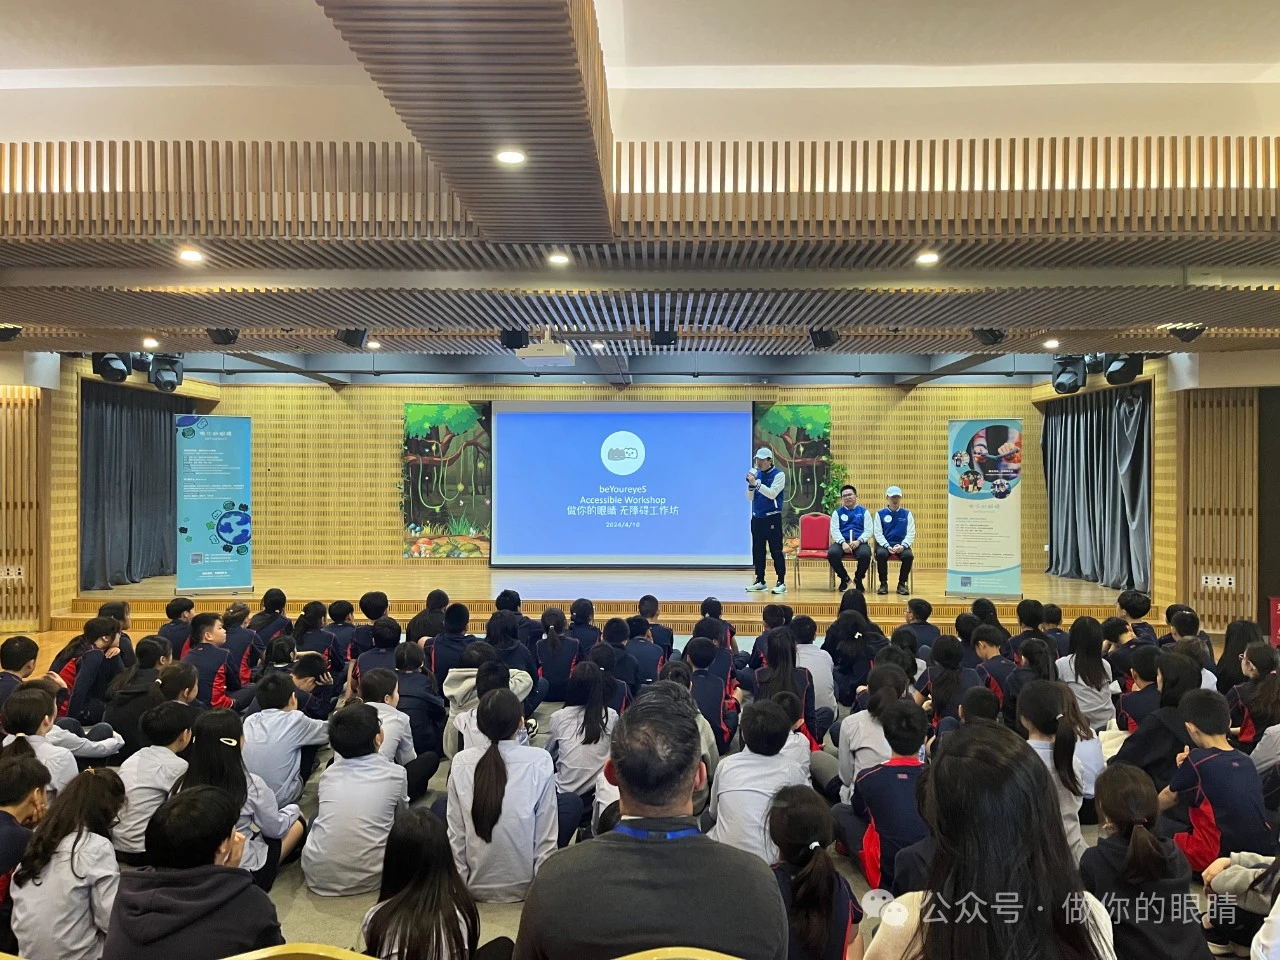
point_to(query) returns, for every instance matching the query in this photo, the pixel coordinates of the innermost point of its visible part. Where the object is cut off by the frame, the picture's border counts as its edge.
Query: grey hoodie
(460, 690)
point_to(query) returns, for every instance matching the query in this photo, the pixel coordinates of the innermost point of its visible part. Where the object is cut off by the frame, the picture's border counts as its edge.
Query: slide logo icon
(622, 453)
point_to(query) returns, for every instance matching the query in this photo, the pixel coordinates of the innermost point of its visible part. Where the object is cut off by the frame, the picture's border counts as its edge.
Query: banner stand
(214, 472)
(984, 509)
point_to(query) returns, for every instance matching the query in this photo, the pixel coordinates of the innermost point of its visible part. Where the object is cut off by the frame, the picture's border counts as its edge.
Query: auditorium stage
(613, 591)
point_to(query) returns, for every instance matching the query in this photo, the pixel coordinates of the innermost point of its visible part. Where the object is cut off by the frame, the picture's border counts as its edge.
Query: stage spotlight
(223, 336)
(1188, 332)
(112, 367)
(822, 339)
(1094, 363)
(515, 339)
(353, 338)
(989, 337)
(1122, 368)
(663, 338)
(9, 334)
(141, 362)
(1069, 374)
(166, 372)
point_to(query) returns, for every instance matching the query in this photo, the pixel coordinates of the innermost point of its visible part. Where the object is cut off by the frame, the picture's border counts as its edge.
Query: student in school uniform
(823, 914)
(130, 694)
(380, 689)
(527, 630)
(373, 607)
(150, 774)
(446, 648)
(1162, 736)
(1037, 662)
(662, 635)
(993, 669)
(312, 682)
(918, 613)
(1052, 737)
(273, 834)
(883, 797)
(557, 653)
(92, 671)
(798, 749)
(1118, 646)
(648, 655)
(360, 795)
(196, 901)
(428, 621)
(27, 717)
(386, 637)
(821, 669)
(783, 674)
(1255, 704)
(1132, 863)
(1143, 698)
(280, 742)
(464, 731)
(582, 614)
(943, 684)
(1030, 614)
(773, 615)
(681, 674)
(1087, 673)
(1051, 627)
(616, 633)
(965, 624)
(23, 782)
(1088, 752)
(503, 811)
(342, 624)
(177, 631)
(209, 658)
(979, 703)
(243, 652)
(1197, 651)
(419, 700)
(862, 740)
(617, 695)
(460, 688)
(17, 663)
(502, 633)
(578, 735)
(310, 636)
(708, 691)
(1134, 605)
(1218, 784)
(93, 747)
(747, 781)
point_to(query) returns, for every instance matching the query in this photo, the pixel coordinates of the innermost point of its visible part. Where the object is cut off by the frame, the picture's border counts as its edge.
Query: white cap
(764, 453)
(893, 492)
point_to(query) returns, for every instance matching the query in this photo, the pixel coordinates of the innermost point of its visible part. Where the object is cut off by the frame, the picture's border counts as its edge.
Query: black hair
(853, 600)
(701, 652)
(905, 726)
(437, 600)
(311, 618)
(966, 623)
(1037, 657)
(1113, 628)
(677, 671)
(353, 731)
(656, 749)
(410, 658)
(386, 633)
(94, 630)
(507, 600)
(850, 636)
(117, 610)
(582, 611)
(274, 601)
(801, 827)
(88, 804)
(1173, 608)
(885, 685)
(847, 486)
(979, 703)
(709, 628)
(374, 604)
(214, 758)
(176, 607)
(790, 703)
(1135, 603)
(902, 638)
(1052, 614)
(499, 716)
(173, 681)
(921, 610)
(616, 632)
(1144, 661)
(586, 689)
(1238, 636)
(164, 723)
(780, 652)
(1031, 614)
(989, 635)
(378, 684)
(201, 624)
(274, 690)
(554, 626)
(1193, 647)
(647, 607)
(24, 712)
(764, 728)
(1185, 623)
(1178, 676)
(476, 652)
(985, 611)
(1040, 705)
(772, 615)
(310, 665)
(340, 610)
(637, 627)
(456, 617)
(610, 817)
(895, 656)
(1264, 703)
(235, 615)
(947, 658)
(1086, 648)
(422, 897)
(1126, 799)
(804, 628)
(1207, 710)
(188, 828)
(711, 607)
(20, 777)
(280, 651)
(502, 631)
(492, 675)
(17, 652)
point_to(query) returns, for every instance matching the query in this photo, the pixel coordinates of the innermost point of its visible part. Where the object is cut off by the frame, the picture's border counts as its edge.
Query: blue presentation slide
(621, 484)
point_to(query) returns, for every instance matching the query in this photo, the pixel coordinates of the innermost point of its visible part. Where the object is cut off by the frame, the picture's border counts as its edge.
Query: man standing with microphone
(764, 490)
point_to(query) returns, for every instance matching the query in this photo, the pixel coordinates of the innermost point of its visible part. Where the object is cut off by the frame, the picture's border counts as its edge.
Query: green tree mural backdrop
(800, 437)
(446, 486)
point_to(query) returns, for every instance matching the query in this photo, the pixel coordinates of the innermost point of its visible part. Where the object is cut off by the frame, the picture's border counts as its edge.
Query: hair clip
(16, 735)
(1058, 717)
(815, 845)
(228, 742)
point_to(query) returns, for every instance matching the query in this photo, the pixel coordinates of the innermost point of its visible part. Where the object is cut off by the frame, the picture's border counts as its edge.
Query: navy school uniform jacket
(849, 675)
(708, 694)
(424, 625)
(1224, 797)
(126, 707)
(94, 673)
(445, 652)
(626, 669)
(994, 674)
(969, 658)
(13, 845)
(426, 711)
(1155, 745)
(663, 637)
(518, 657)
(587, 635)
(272, 626)
(912, 865)
(756, 680)
(318, 704)
(361, 641)
(756, 660)
(342, 635)
(885, 796)
(211, 667)
(1018, 678)
(1244, 715)
(177, 632)
(529, 631)
(968, 678)
(1062, 639)
(322, 641)
(927, 634)
(722, 665)
(648, 656)
(619, 697)
(846, 914)
(243, 654)
(1143, 632)
(556, 667)
(1121, 660)
(127, 657)
(1162, 930)
(1014, 644)
(9, 682)
(1135, 706)
(378, 658)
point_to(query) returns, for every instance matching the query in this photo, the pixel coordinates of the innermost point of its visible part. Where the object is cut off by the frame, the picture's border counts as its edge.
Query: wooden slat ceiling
(472, 77)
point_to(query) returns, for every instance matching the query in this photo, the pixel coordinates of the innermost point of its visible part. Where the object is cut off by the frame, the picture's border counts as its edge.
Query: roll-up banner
(984, 509)
(215, 516)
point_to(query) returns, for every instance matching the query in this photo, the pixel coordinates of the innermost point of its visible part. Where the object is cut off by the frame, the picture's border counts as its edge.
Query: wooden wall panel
(20, 506)
(1221, 508)
(64, 487)
(1167, 573)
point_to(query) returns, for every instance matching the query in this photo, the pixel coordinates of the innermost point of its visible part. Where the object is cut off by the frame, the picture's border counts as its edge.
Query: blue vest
(853, 523)
(893, 525)
(762, 506)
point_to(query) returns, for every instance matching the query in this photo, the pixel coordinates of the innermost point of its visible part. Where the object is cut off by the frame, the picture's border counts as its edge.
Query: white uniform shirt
(1096, 705)
(397, 736)
(1089, 756)
(862, 745)
(744, 788)
(148, 777)
(82, 747)
(359, 800)
(1068, 802)
(65, 915)
(261, 811)
(578, 764)
(57, 760)
(796, 749)
(464, 725)
(273, 742)
(820, 666)
(525, 834)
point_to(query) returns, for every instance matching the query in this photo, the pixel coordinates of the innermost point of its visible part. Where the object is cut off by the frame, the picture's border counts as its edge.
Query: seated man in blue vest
(895, 530)
(764, 490)
(851, 533)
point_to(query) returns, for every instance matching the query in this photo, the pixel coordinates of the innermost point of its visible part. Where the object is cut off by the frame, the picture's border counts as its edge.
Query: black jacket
(1155, 745)
(124, 708)
(204, 913)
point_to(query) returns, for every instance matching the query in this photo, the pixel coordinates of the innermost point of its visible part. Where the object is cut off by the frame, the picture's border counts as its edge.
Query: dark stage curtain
(1097, 465)
(127, 484)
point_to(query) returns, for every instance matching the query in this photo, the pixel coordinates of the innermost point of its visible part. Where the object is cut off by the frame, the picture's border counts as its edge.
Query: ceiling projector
(547, 353)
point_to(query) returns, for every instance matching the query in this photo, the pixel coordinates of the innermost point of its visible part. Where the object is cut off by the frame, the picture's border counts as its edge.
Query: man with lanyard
(851, 532)
(764, 490)
(895, 530)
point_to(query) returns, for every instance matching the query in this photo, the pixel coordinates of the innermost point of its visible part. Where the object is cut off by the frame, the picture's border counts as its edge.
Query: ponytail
(1127, 800)
(1040, 704)
(553, 626)
(147, 653)
(885, 685)
(18, 748)
(498, 716)
(1264, 704)
(800, 825)
(1036, 657)
(173, 680)
(311, 618)
(586, 690)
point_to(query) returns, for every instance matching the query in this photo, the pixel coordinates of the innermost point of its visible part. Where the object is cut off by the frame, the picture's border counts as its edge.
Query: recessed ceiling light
(511, 158)
(190, 255)
(927, 259)
(374, 345)
(597, 345)
(150, 342)
(558, 259)
(1051, 344)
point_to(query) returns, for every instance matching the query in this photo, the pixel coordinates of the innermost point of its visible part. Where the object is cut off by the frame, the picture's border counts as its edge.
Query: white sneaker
(780, 588)
(757, 586)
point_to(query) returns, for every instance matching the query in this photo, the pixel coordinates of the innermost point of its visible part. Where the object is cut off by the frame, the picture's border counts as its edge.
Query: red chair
(815, 538)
